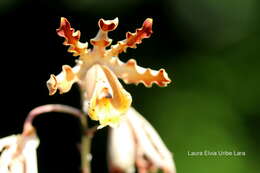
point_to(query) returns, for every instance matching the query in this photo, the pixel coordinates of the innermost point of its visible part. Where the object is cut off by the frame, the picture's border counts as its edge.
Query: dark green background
(210, 49)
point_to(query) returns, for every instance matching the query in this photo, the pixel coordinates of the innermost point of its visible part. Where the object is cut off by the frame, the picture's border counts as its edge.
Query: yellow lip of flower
(108, 99)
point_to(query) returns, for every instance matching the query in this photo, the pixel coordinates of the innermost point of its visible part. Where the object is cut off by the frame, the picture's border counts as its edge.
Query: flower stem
(28, 128)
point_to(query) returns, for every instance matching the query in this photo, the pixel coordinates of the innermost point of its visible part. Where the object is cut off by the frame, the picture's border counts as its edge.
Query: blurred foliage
(102, 6)
(8, 5)
(215, 23)
(210, 49)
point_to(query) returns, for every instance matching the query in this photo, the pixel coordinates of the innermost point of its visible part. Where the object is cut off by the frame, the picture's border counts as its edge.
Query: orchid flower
(97, 71)
(18, 154)
(135, 143)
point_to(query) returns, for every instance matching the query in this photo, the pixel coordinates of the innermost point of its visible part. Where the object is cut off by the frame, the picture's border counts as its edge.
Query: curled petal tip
(63, 20)
(102, 40)
(64, 27)
(149, 20)
(52, 85)
(108, 25)
(165, 79)
(147, 25)
(62, 82)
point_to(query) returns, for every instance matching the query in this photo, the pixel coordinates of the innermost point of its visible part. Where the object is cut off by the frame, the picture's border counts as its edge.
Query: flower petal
(132, 38)
(130, 72)
(121, 149)
(19, 155)
(63, 81)
(8, 148)
(152, 152)
(107, 99)
(71, 38)
(30, 154)
(102, 40)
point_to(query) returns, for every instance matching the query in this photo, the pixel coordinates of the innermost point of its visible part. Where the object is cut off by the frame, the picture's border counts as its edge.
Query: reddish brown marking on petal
(108, 25)
(132, 39)
(74, 50)
(141, 33)
(100, 43)
(65, 30)
(71, 37)
(147, 26)
(104, 93)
